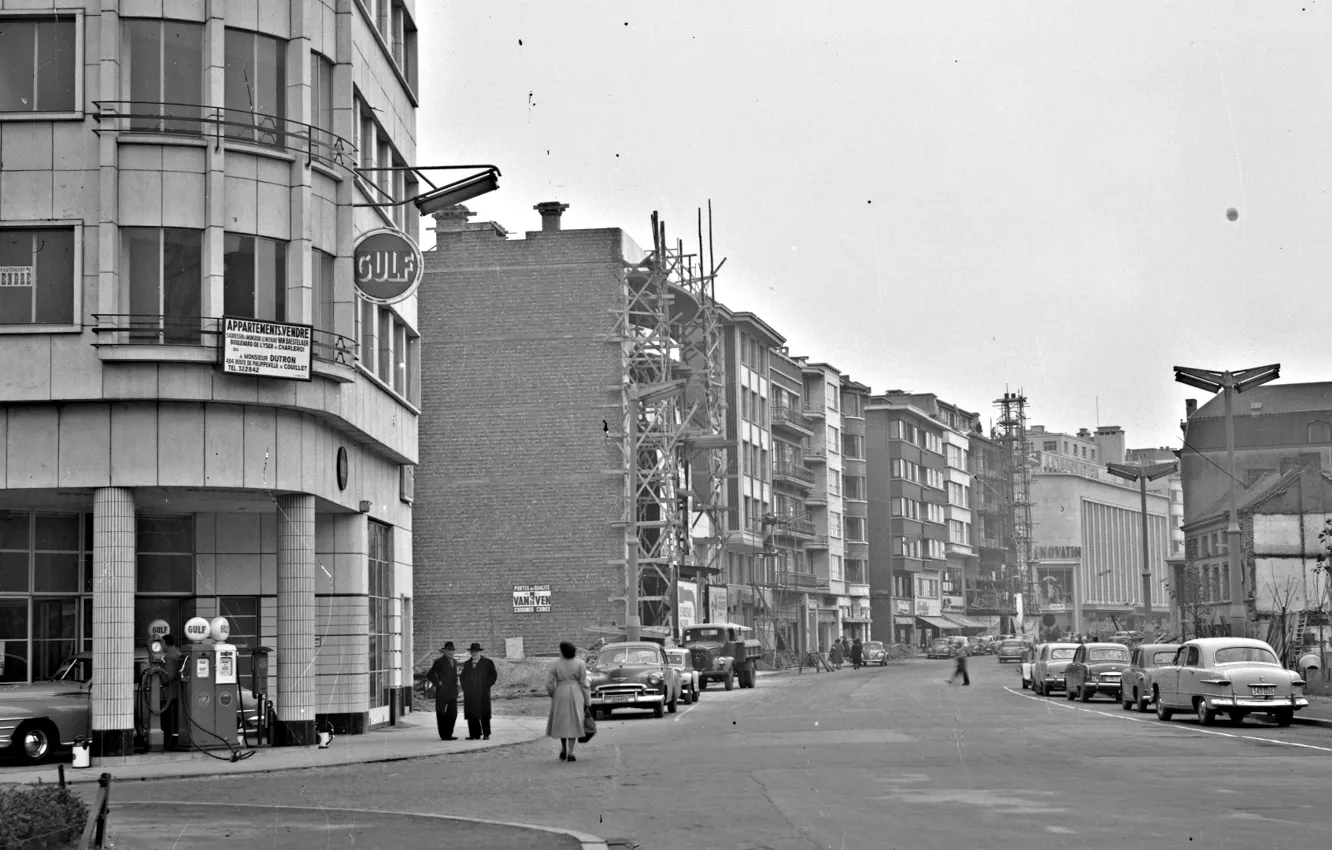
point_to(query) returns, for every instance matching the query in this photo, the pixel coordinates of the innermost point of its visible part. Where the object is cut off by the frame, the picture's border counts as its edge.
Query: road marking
(686, 711)
(1158, 724)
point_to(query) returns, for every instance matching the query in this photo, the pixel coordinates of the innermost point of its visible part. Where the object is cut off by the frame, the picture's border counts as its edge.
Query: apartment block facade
(791, 528)
(853, 599)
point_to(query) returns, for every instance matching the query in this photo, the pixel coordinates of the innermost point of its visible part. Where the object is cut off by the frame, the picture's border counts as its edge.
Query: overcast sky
(942, 197)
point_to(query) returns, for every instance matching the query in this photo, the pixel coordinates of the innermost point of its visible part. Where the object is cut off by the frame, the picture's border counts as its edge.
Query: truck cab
(721, 653)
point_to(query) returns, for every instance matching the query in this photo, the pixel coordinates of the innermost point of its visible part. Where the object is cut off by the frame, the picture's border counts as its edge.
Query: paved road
(889, 757)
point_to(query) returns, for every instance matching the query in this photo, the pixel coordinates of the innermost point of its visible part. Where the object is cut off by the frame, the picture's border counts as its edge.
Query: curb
(1313, 721)
(587, 839)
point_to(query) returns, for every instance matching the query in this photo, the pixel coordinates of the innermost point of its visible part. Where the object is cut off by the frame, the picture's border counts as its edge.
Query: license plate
(1264, 690)
(619, 698)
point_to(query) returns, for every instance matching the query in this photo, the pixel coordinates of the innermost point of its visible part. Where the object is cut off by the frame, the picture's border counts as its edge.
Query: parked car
(1231, 675)
(1026, 666)
(1144, 660)
(633, 675)
(975, 645)
(988, 644)
(939, 648)
(873, 652)
(680, 659)
(1047, 671)
(38, 718)
(1096, 668)
(1011, 650)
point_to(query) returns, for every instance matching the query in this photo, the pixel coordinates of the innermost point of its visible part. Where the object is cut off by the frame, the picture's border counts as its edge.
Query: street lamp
(1229, 383)
(1143, 474)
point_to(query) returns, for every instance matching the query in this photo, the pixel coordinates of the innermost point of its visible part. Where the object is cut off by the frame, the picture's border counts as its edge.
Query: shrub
(40, 817)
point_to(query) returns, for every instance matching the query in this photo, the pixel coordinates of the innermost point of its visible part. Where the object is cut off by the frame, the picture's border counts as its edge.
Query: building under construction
(573, 454)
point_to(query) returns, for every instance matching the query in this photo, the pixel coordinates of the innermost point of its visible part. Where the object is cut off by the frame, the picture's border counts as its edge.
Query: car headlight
(654, 679)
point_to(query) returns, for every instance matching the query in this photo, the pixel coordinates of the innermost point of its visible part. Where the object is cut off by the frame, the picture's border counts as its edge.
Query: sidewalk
(413, 737)
(1318, 712)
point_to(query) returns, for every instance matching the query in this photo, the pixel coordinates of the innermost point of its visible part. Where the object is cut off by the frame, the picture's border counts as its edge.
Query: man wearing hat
(478, 675)
(444, 676)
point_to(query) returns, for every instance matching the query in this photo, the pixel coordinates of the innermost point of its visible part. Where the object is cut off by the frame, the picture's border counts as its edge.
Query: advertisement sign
(387, 265)
(902, 606)
(197, 629)
(266, 349)
(687, 592)
(158, 629)
(717, 604)
(531, 599)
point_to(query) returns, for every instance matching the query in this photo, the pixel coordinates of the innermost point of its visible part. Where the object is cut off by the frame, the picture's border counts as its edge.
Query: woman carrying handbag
(570, 698)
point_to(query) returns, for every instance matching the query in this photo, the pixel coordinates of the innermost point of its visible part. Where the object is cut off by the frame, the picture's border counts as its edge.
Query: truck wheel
(658, 710)
(671, 706)
(730, 679)
(702, 683)
(753, 677)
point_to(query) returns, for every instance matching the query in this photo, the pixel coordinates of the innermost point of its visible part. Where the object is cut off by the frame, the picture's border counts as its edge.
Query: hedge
(40, 817)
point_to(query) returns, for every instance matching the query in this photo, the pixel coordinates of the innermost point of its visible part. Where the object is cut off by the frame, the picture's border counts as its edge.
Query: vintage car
(633, 674)
(1144, 659)
(874, 652)
(1096, 668)
(1047, 670)
(723, 654)
(680, 659)
(1011, 650)
(38, 718)
(939, 648)
(1230, 675)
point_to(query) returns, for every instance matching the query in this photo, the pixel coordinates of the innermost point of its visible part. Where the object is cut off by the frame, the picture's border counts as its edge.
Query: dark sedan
(1096, 668)
(1011, 650)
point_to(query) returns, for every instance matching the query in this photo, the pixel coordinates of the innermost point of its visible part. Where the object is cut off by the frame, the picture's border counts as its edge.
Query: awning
(904, 621)
(939, 623)
(966, 622)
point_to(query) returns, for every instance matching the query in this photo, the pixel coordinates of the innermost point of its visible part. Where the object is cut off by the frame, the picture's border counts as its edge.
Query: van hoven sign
(531, 599)
(388, 266)
(266, 349)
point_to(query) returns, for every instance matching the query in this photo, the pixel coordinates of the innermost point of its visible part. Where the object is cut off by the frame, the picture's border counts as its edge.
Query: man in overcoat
(444, 676)
(478, 676)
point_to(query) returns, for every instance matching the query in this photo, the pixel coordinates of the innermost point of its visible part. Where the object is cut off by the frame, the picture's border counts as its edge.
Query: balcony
(815, 411)
(816, 456)
(818, 541)
(233, 125)
(795, 526)
(817, 497)
(785, 578)
(857, 589)
(788, 470)
(793, 418)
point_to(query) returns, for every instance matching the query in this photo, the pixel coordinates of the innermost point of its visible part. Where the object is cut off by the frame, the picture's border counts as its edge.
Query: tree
(1284, 594)
(1197, 612)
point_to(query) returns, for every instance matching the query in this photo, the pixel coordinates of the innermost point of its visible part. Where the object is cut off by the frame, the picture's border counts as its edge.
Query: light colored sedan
(1028, 664)
(1047, 673)
(1137, 682)
(683, 663)
(1235, 676)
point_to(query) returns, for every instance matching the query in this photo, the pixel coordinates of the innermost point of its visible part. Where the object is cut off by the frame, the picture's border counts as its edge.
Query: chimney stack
(550, 215)
(1190, 407)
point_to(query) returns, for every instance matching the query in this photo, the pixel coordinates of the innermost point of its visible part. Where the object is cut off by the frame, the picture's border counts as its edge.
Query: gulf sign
(388, 266)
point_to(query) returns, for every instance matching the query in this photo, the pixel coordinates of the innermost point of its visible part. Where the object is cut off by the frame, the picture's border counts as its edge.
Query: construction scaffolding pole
(1012, 437)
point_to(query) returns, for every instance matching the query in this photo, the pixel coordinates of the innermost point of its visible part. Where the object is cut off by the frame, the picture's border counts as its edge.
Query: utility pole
(1142, 475)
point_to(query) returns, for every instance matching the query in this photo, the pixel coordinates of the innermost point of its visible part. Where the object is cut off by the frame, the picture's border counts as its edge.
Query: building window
(164, 553)
(37, 72)
(162, 61)
(256, 87)
(255, 278)
(321, 98)
(37, 285)
(855, 529)
(1320, 432)
(834, 524)
(853, 487)
(162, 268)
(380, 593)
(852, 446)
(321, 298)
(391, 351)
(242, 613)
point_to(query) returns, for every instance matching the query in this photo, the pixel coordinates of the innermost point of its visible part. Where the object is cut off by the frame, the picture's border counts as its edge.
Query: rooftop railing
(148, 329)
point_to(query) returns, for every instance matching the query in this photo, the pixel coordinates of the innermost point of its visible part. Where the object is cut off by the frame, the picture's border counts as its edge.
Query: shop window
(164, 549)
(255, 278)
(56, 554)
(162, 269)
(37, 284)
(380, 593)
(15, 537)
(242, 613)
(256, 87)
(37, 72)
(162, 64)
(14, 640)
(149, 608)
(54, 634)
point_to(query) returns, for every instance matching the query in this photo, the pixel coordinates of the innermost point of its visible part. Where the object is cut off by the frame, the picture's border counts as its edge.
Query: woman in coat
(835, 655)
(569, 697)
(857, 654)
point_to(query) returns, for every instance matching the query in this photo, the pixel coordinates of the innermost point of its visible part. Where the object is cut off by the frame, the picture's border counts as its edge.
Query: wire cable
(1226, 472)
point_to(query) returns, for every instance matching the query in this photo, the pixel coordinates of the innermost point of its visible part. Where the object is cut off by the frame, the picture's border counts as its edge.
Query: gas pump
(209, 698)
(259, 687)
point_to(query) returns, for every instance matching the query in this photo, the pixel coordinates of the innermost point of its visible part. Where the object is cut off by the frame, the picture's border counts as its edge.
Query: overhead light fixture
(437, 200)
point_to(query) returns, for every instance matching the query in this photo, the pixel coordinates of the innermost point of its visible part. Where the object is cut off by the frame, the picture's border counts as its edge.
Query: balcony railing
(817, 497)
(147, 329)
(819, 541)
(815, 411)
(793, 417)
(792, 471)
(785, 578)
(219, 123)
(816, 456)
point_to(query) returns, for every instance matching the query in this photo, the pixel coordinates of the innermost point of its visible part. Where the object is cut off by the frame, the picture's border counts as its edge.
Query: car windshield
(874, 644)
(629, 655)
(703, 634)
(1164, 657)
(1062, 654)
(1111, 654)
(675, 658)
(1012, 644)
(940, 642)
(1245, 655)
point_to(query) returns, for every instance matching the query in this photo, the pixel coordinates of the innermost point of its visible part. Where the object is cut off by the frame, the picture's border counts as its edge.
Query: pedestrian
(835, 656)
(171, 713)
(960, 667)
(478, 676)
(570, 696)
(846, 648)
(444, 676)
(857, 654)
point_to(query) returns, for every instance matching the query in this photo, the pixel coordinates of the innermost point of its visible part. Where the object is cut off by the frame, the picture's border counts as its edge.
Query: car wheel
(702, 684)
(34, 741)
(1162, 713)
(1206, 716)
(1084, 694)
(1143, 702)
(658, 710)
(1037, 688)
(1127, 701)
(1284, 718)
(730, 679)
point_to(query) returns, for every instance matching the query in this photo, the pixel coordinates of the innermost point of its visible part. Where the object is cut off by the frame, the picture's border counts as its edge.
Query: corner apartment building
(823, 399)
(163, 165)
(907, 531)
(853, 602)
(791, 529)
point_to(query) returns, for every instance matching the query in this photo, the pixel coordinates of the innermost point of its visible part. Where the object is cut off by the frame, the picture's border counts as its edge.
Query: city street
(882, 757)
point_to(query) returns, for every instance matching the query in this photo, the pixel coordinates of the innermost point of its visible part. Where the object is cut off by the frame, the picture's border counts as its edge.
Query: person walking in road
(857, 654)
(478, 676)
(570, 697)
(835, 656)
(846, 649)
(444, 676)
(960, 667)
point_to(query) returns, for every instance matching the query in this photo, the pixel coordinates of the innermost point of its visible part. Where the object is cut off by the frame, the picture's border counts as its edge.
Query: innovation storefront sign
(531, 599)
(266, 349)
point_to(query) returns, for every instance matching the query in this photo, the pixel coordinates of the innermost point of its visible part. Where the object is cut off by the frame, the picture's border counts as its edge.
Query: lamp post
(1143, 474)
(1228, 383)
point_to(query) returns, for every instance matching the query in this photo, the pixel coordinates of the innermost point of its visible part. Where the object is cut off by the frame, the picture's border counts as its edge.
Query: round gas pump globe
(158, 629)
(197, 629)
(219, 628)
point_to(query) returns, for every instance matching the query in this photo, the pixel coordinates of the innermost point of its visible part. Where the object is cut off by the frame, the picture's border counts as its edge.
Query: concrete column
(114, 581)
(296, 621)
